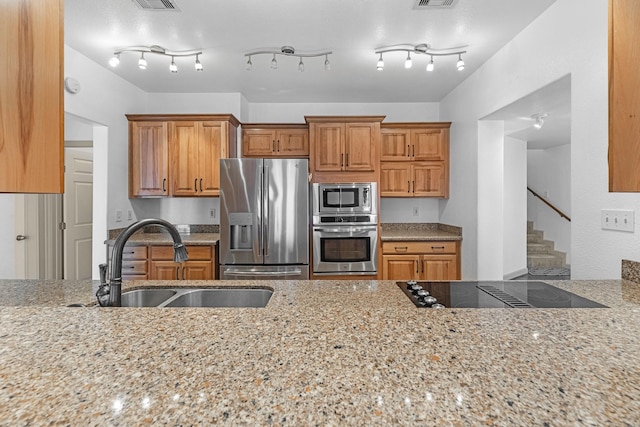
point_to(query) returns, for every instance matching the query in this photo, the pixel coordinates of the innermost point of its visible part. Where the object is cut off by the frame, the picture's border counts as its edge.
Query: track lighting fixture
(539, 120)
(142, 63)
(430, 65)
(422, 48)
(380, 65)
(407, 62)
(290, 51)
(158, 50)
(249, 64)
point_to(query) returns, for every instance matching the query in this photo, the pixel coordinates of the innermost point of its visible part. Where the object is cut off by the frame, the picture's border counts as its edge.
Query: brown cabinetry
(275, 140)
(31, 97)
(421, 260)
(624, 96)
(200, 265)
(414, 160)
(134, 262)
(344, 148)
(178, 155)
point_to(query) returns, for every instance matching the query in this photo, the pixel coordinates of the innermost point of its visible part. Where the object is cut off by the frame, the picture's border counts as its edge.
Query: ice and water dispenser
(241, 230)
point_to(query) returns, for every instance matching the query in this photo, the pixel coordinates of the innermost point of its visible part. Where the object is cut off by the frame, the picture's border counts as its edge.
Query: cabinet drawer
(134, 252)
(134, 267)
(435, 247)
(195, 252)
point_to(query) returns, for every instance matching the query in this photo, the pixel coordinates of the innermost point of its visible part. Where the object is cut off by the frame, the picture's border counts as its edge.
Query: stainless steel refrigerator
(264, 219)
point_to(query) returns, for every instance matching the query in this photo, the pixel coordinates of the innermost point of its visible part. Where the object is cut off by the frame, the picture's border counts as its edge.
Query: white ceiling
(227, 29)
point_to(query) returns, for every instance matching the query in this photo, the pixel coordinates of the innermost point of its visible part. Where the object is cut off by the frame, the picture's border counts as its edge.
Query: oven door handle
(346, 229)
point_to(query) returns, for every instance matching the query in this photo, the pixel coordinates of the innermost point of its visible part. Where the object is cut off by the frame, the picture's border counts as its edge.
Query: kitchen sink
(146, 297)
(192, 297)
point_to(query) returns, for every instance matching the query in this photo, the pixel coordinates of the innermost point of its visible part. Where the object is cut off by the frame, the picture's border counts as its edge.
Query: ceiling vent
(435, 4)
(167, 5)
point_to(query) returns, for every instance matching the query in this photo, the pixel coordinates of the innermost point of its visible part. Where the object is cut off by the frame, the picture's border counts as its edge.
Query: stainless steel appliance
(498, 294)
(345, 229)
(264, 219)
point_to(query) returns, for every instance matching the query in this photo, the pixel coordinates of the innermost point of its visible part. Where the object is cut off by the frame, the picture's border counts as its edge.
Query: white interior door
(78, 213)
(27, 236)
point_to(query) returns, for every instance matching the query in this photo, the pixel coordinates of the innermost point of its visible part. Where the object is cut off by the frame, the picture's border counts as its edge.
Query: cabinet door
(360, 147)
(292, 142)
(395, 179)
(439, 267)
(429, 180)
(258, 142)
(184, 139)
(197, 270)
(395, 145)
(428, 144)
(210, 148)
(148, 159)
(31, 97)
(165, 270)
(329, 147)
(400, 267)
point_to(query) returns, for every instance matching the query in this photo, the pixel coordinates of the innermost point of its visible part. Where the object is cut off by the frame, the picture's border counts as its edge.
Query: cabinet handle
(441, 248)
(417, 267)
(401, 248)
(278, 145)
(341, 160)
(408, 151)
(423, 266)
(200, 184)
(408, 186)
(347, 156)
(177, 272)
(183, 268)
(414, 186)
(195, 184)
(274, 145)
(164, 185)
(413, 149)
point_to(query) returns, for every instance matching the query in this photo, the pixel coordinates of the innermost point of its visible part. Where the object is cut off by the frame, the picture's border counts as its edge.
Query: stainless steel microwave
(344, 198)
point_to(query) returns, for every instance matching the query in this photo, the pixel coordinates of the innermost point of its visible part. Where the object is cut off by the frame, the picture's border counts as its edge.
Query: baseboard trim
(515, 274)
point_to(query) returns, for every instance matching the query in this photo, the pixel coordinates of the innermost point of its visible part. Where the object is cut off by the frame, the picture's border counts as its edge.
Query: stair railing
(546, 202)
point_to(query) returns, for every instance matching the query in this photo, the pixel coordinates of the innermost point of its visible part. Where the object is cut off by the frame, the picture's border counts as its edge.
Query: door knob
(20, 237)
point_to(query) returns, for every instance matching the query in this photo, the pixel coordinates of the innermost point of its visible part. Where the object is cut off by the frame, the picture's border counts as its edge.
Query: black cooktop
(492, 294)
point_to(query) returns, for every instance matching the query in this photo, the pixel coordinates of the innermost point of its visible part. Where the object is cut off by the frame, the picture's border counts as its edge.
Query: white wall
(548, 174)
(558, 43)
(515, 208)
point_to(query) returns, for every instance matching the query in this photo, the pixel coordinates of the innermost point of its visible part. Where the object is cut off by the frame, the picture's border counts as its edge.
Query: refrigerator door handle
(265, 198)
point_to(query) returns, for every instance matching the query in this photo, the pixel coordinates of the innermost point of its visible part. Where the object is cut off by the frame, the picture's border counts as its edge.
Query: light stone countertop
(320, 353)
(165, 239)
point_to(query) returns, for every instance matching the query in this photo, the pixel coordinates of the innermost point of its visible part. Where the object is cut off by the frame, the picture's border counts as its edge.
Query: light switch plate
(618, 219)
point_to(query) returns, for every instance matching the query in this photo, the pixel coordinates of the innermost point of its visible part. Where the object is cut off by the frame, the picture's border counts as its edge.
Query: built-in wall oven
(345, 229)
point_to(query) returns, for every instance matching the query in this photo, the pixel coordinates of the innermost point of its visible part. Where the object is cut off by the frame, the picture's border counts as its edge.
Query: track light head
(327, 64)
(380, 65)
(407, 62)
(300, 65)
(460, 63)
(430, 65)
(115, 60)
(198, 64)
(539, 120)
(274, 63)
(249, 65)
(142, 63)
(173, 67)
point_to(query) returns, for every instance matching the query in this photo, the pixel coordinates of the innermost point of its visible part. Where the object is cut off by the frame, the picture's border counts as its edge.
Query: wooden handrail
(549, 204)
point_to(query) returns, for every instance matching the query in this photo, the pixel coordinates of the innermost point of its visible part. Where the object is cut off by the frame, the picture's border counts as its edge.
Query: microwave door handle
(346, 229)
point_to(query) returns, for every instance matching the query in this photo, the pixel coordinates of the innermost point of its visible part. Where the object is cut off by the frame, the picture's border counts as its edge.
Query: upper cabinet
(414, 159)
(624, 95)
(344, 149)
(178, 155)
(31, 97)
(275, 140)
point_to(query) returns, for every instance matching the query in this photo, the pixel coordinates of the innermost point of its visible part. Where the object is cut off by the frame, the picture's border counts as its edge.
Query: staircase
(540, 252)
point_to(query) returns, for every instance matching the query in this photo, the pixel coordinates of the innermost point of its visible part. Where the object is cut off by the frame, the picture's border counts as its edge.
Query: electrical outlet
(118, 215)
(619, 220)
(212, 213)
(129, 215)
(416, 211)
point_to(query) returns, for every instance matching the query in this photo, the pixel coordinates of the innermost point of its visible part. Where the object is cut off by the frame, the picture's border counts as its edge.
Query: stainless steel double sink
(197, 297)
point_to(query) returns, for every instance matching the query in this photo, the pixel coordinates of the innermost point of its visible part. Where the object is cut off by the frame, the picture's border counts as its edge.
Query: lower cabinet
(421, 260)
(155, 262)
(199, 266)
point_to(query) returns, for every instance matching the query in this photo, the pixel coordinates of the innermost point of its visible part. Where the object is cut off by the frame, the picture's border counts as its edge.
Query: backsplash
(631, 270)
(193, 228)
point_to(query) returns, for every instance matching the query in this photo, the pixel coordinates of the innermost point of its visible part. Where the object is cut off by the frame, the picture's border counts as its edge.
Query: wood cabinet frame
(275, 140)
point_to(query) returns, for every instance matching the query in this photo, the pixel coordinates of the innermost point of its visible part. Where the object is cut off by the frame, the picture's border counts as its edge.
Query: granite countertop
(419, 232)
(165, 239)
(320, 352)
